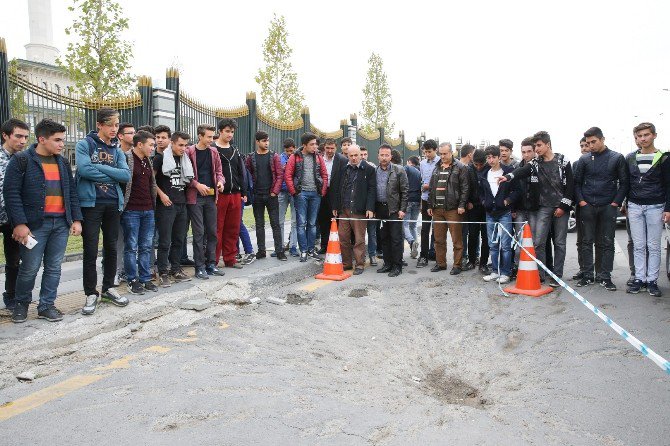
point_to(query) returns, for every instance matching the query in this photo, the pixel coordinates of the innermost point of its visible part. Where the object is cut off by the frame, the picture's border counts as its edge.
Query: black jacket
(654, 186)
(233, 171)
(414, 181)
(506, 191)
(396, 189)
(531, 170)
(602, 178)
(339, 165)
(364, 194)
(457, 189)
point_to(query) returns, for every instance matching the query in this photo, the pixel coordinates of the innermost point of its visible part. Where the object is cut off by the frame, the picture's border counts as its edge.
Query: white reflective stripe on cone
(334, 237)
(334, 258)
(527, 265)
(527, 243)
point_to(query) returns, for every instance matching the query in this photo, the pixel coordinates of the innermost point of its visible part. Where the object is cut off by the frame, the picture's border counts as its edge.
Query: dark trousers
(475, 231)
(323, 220)
(107, 217)
(425, 229)
(598, 226)
(184, 248)
(12, 257)
(260, 204)
(203, 223)
(391, 236)
(172, 224)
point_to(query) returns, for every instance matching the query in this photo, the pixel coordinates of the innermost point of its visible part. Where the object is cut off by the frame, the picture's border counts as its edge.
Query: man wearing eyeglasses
(125, 137)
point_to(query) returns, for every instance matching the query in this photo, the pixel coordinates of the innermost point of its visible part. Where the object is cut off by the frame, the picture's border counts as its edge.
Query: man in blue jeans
(497, 197)
(43, 206)
(286, 201)
(307, 181)
(413, 204)
(138, 214)
(648, 207)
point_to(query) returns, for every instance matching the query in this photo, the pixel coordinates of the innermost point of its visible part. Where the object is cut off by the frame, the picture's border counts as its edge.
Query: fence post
(4, 82)
(172, 83)
(144, 85)
(403, 145)
(253, 117)
(304, 114)
(354, 123)
(381, 135)
(345, 129)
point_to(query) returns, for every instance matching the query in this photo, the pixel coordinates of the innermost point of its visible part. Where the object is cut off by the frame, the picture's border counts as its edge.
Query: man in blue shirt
(426, 167)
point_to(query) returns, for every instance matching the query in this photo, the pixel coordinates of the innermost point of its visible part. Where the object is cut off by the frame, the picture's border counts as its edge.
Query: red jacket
(217, 174)
(294, 171)
(275, 166)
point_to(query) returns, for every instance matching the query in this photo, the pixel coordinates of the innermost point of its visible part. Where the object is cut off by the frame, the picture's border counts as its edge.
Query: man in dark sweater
(601, 184)
(413, 204)
(265, 168)
(229, 203)
(478, 241)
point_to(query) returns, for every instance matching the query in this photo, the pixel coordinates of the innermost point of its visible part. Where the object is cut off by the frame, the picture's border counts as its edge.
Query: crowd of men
(142, 189)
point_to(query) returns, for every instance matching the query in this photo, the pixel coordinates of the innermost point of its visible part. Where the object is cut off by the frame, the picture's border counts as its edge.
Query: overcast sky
(476, 70)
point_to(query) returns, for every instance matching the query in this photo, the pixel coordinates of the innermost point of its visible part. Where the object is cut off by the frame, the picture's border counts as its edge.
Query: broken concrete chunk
(134, 327)
(254, 300)
(276, 300)
(26, 376)
(195, 304)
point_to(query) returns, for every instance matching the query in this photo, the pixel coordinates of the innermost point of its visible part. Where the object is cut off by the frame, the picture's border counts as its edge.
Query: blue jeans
(51, 242)
(244, 236)
(409, 228)
(286, 201)
(500, 243)
(307, 209)
(646, 229)
(372, 238)
(138, 228)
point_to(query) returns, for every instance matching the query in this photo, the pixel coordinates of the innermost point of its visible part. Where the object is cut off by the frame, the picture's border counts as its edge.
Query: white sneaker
(503, 279)
(492, 276)
(90, 305)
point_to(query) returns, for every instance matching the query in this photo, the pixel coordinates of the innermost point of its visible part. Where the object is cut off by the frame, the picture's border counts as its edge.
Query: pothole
(297, 299)
(358, 292)
(451, 389)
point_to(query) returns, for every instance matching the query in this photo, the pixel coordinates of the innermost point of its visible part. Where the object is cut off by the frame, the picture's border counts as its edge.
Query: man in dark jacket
(550, 194)
(648, 207)
(413, 204)
(335, 165)
(43, 206)
(392, 188)
(447, 198)
(478, 253)
(521, 207)
(354, 201)
(601, 184)
(265, 168)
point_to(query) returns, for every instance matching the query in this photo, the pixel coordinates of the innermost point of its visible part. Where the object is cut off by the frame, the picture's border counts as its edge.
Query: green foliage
(17, 95)
(98, 59)
(280, 96)
(377, 100)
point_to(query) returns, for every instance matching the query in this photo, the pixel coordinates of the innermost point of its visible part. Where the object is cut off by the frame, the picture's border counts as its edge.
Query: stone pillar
(172, 83)
(253, 120)
(353, 133)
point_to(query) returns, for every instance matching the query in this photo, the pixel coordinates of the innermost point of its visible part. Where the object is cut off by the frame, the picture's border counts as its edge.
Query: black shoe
(303, 256)
(261, 255)
(314, 255)
(455, 271)
(630, 281)
(322, 251)
(468, 266)
(384, 269)
(135, 287)
(281, 256)
(634, 287)
(584, 281)
(437, 268)
(554, 284)
(485, 270)
(51, 314)
(422, 262)
(212, 270)
(609, 286)
(653, 290)
(187, 262)
(579, 275)
(150, 286)
(201, 274)
(395, 272)
(112, 296)
(373, 261)
(404, 263)
(20, 313)
(358, 271)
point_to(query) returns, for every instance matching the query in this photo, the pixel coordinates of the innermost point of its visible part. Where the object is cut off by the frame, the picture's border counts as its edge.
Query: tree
(280, 95)
(98, 60)
(377, 100)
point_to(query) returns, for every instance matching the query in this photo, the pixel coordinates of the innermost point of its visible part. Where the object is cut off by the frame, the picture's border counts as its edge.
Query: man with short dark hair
(125, 136)
(307, 181)
(506, 157)
(163, 134)
(478, 252)
(466, 152)
(522, 206)
(648, 206)
(345, 144)
(335, 165)
(15, 135)
(101, 169)
(427, 166)
(601, 184)
(391, 204)
(286, 201)
(449, 186)
(201, 198)
(413, 204)
(42, 204)
(584, 148)
(266, 170)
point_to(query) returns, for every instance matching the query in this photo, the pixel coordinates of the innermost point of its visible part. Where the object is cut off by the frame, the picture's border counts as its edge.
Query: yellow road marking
(45, 395)
(223, 326)
(157, 349)
(192, 332)
(123, 363)
(184, 339)
(315, 285)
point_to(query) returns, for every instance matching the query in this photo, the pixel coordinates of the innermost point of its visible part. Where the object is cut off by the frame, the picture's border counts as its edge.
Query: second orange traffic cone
(332, 266)
(528, 277)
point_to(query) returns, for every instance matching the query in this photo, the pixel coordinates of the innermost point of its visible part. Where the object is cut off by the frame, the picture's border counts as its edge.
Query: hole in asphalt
(358, 292)
(297, 299)
(451, 389)
(411, 271)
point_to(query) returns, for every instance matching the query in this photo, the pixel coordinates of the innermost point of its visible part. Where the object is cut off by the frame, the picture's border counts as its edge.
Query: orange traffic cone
(332, 266)
(528, 277)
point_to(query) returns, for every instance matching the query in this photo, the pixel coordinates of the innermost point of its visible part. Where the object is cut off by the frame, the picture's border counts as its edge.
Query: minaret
(40, 48)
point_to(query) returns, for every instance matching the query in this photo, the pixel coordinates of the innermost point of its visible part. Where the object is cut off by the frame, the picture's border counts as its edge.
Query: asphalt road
(425, 358)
